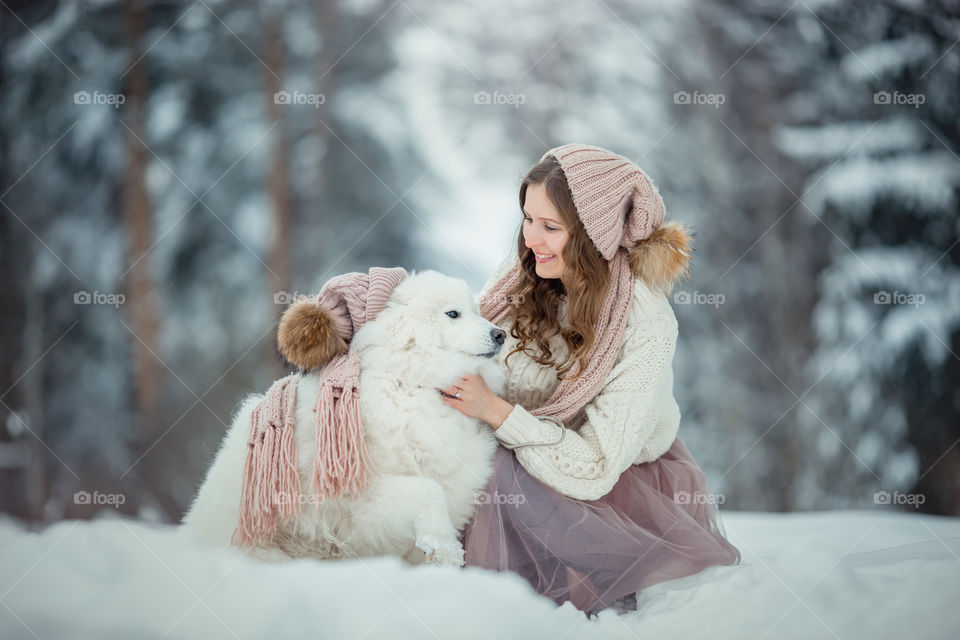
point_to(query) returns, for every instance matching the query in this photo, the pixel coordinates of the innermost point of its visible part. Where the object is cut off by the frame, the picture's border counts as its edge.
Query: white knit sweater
(633, 419)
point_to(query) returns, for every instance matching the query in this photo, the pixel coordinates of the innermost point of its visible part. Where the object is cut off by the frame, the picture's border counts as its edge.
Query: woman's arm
(585, 464)
(498, 411)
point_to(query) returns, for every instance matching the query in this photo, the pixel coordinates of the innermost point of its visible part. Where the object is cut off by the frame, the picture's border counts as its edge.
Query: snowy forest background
(160, 206)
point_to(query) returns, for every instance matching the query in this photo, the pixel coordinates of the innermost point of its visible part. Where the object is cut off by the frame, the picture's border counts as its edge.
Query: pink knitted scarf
(271, 490)
(619, 207)
(571, 395)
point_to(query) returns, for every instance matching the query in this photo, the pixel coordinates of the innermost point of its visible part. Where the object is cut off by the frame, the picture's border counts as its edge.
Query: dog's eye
(453, 314)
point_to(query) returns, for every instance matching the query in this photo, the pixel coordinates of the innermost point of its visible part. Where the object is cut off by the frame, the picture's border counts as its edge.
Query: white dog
(429, 461)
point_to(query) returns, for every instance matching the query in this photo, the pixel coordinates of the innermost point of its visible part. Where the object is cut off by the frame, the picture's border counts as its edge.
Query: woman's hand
(476, 400)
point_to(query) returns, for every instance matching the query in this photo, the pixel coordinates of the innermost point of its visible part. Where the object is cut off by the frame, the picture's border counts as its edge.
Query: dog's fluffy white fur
(429, 461)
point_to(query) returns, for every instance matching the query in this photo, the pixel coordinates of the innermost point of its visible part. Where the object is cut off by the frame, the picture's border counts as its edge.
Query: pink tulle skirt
(658, 523)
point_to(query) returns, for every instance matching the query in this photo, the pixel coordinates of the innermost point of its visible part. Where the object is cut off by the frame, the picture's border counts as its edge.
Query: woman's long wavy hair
(584, 281)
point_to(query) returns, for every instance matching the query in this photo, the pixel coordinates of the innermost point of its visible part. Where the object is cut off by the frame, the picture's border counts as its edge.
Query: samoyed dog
(428, 461)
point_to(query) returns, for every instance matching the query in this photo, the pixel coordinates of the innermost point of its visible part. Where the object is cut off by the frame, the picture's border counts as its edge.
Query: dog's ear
(307, 336)
(410, 329)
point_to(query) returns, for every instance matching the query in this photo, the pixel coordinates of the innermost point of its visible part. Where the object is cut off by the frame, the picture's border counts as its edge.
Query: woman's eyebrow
(547, 219)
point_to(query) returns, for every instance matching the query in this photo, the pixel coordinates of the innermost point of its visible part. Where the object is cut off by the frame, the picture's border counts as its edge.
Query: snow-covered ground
(847, 574)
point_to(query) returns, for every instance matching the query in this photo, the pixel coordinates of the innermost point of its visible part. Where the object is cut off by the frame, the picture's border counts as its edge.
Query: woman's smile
(543, 231)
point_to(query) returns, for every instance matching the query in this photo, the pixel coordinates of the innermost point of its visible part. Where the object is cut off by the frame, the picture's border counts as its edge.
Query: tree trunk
(328, 23)
(140, 302)
(278, 183)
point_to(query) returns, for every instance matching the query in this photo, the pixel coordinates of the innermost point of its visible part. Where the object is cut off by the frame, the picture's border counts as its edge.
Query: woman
(593, 497)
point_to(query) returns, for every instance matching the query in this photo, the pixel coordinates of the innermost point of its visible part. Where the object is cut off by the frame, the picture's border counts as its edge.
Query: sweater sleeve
(586, 463)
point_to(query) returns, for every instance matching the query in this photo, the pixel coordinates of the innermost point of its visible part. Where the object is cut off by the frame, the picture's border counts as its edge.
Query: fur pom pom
(663, 259)
(307, 336)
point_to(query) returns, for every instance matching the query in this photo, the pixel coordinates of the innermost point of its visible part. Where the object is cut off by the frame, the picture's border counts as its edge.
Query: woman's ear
(307, 336)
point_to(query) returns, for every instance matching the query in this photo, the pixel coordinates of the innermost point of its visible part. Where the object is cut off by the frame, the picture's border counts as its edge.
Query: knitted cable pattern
(632, 419)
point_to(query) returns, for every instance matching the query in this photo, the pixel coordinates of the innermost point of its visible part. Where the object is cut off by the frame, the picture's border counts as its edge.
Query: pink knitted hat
(617, 203)
(353, 299)
(619, 207)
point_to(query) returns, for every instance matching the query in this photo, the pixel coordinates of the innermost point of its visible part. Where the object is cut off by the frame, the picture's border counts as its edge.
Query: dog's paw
(268, 554)
(441, 552)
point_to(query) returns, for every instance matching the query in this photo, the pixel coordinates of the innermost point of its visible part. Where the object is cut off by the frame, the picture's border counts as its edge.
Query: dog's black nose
(499, 335)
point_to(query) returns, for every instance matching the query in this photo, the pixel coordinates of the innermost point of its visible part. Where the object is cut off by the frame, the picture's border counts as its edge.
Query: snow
(919, 309)
(828, 142)
(924, 184)
(843, 574)
(888, 58)
(44, 37)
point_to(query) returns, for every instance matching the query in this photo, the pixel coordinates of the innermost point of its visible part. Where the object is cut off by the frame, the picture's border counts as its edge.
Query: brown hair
(584, 280)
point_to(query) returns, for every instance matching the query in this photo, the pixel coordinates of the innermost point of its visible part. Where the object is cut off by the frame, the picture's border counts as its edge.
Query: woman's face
(543, 231)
